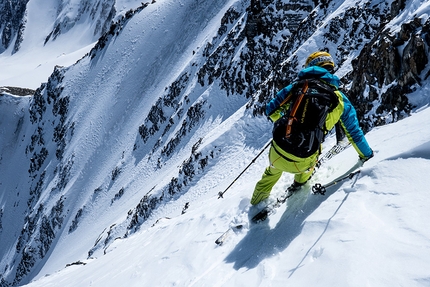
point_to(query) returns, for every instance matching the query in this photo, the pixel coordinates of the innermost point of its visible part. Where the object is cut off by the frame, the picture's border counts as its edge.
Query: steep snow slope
(80, 156)
(56, 33)
(105, 139)
(140, 128)
(372, 232)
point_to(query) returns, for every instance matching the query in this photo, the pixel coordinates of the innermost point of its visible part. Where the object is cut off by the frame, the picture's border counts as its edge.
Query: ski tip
(220, 240)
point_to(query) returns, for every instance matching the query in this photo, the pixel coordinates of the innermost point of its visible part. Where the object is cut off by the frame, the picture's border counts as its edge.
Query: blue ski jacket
(344, 113)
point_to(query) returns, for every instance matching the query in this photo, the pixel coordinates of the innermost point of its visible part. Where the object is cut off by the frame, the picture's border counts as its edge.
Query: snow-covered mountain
(153, 108)
(45, 33)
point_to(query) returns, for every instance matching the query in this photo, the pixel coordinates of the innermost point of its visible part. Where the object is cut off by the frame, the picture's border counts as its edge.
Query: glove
(364, 159)
(276, 115)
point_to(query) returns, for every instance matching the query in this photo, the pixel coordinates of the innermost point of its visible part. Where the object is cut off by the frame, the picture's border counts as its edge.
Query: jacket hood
(321, 73)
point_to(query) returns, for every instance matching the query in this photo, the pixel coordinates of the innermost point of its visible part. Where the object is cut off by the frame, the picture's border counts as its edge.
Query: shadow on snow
(262, 242)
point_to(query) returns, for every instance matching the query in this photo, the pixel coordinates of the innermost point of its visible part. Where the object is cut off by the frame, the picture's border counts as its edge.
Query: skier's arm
(355, 135)
(273, 110)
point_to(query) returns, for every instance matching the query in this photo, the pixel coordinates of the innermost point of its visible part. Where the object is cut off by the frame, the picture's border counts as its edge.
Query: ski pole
(221, 194)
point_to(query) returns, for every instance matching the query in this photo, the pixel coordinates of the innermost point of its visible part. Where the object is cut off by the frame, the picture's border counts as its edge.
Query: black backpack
(301, 130)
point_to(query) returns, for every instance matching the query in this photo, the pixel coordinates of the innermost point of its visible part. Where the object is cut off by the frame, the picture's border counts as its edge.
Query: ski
(259, 217)
(270, 209)
(316, 189)
(220, 240)
(336, 149)
(349, 174)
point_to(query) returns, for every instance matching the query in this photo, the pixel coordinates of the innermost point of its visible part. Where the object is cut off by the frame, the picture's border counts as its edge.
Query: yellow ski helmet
(320, 58)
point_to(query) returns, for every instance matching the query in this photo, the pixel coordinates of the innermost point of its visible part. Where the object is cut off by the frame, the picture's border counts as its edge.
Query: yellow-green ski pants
(280, 162)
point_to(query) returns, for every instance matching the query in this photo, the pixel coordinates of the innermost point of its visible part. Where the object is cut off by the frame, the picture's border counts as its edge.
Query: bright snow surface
(372, 233)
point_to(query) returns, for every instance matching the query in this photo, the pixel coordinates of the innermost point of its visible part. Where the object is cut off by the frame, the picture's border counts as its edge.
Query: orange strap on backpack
(292, 117)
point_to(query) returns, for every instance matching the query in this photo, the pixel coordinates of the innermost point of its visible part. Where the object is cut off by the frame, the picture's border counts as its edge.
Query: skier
(318, 65)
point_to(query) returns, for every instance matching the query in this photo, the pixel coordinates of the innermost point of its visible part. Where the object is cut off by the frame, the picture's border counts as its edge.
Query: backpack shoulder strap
(294, 108)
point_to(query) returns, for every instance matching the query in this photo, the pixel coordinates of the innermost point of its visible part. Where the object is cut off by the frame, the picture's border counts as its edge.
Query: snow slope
(40, 58)
(372, 233)
(107, 99)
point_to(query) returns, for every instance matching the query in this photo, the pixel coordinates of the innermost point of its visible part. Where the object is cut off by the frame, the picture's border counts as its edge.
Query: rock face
(42, 221)
(258, 48)
(388, 68)
(17, 91)
(12, 23)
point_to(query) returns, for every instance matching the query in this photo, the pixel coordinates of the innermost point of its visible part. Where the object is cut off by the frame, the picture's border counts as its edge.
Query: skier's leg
(265, 184)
